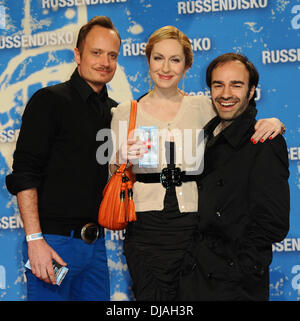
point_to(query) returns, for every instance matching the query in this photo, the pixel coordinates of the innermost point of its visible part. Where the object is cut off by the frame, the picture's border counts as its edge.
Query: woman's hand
(131, 150)
(267, 128)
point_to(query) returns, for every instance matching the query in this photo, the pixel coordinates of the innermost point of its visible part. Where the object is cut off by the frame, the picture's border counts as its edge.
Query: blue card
(149, 135)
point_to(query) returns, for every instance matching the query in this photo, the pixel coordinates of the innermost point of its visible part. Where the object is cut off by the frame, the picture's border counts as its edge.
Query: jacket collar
(238, 131)
(84, 90)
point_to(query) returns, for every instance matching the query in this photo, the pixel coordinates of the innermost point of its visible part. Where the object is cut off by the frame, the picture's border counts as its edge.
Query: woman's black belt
(168, 177)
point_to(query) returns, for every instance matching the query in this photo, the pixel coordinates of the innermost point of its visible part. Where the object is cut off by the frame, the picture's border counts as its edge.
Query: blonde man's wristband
(34, 237)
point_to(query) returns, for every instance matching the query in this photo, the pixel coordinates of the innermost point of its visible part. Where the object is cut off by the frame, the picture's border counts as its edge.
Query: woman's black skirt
(155, 246)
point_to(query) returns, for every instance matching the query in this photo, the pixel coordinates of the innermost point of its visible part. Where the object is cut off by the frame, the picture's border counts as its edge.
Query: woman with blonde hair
(165, 167)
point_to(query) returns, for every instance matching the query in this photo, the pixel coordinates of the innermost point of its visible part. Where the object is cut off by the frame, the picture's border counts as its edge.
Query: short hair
(171, 32)
(101, 21)
(253, 73)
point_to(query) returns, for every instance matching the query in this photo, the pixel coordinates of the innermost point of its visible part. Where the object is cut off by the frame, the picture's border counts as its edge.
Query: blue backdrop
(37, 38)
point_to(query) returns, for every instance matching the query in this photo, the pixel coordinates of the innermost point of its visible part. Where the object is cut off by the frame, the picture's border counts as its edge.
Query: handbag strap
(131, 126)
(132, 118)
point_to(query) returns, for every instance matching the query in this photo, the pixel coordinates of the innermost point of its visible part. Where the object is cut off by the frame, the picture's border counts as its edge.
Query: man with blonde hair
(56, 177)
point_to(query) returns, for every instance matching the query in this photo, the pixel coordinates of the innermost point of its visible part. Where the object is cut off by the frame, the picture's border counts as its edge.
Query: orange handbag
(117, 206)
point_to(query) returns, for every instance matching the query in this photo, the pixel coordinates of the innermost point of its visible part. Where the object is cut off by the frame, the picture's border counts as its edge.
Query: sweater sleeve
(119, 126)
(207, 110)
(33, 148)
